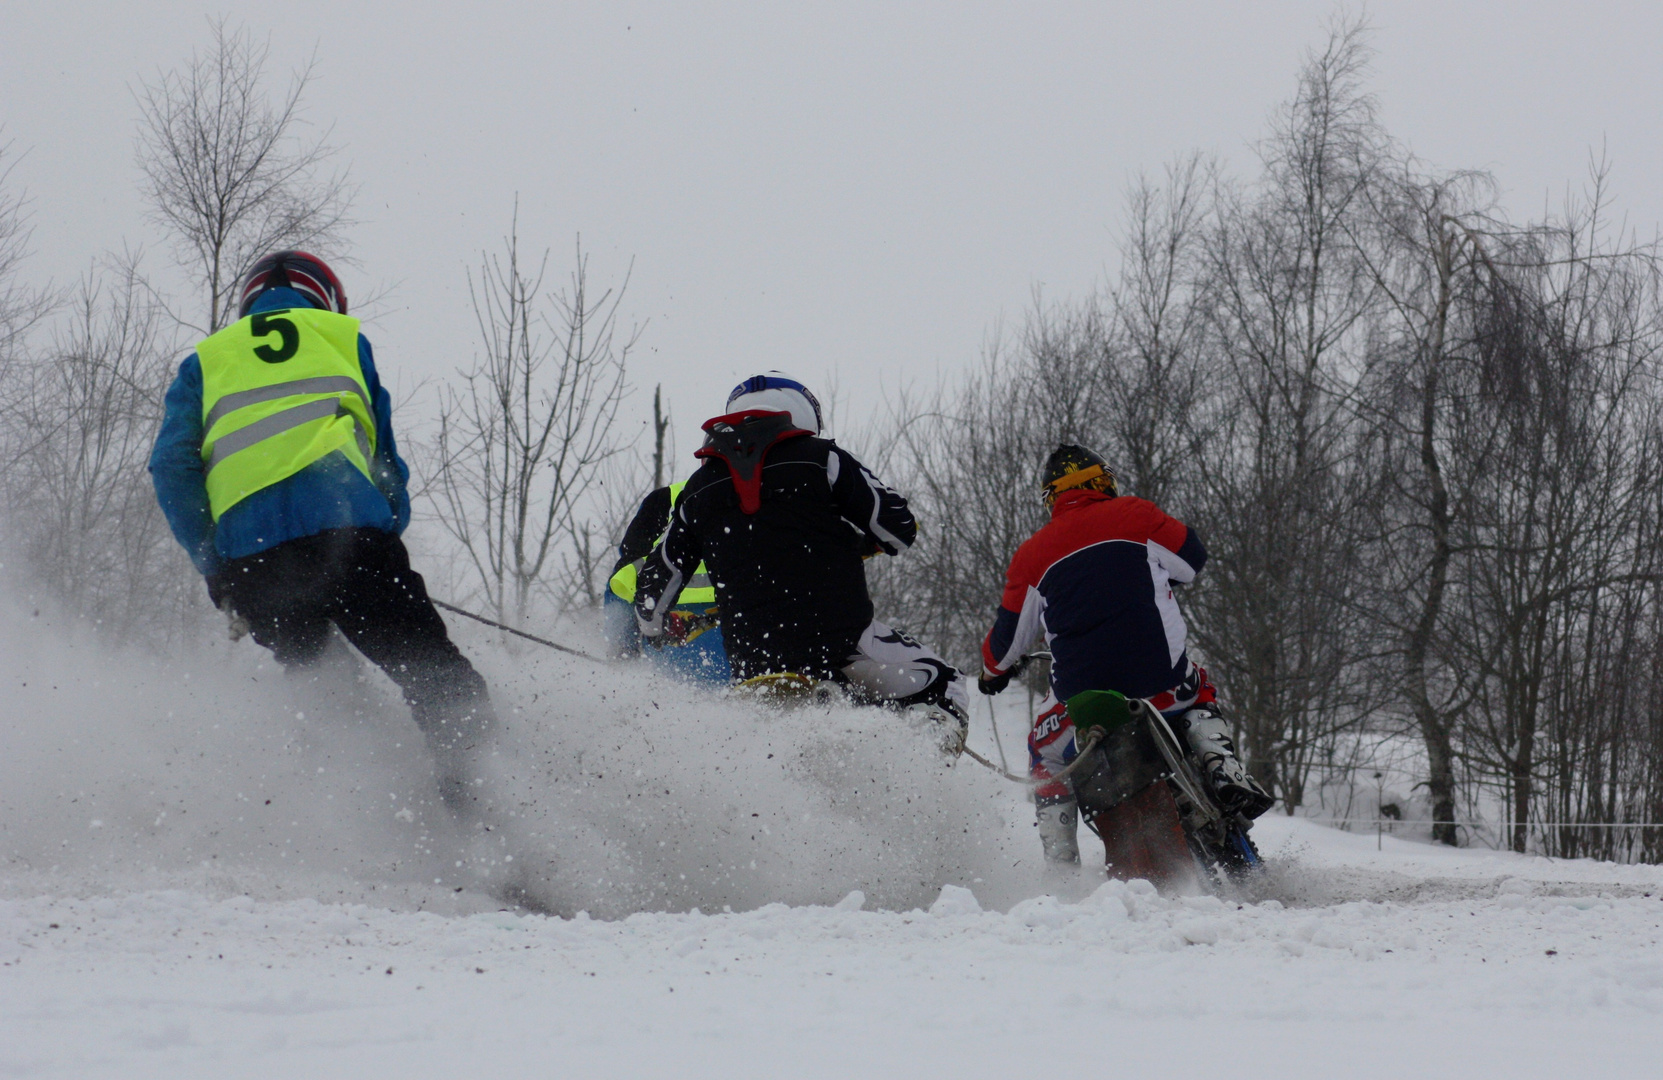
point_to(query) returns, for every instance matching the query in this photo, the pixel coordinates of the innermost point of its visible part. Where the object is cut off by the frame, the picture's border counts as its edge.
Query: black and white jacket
(790, 581)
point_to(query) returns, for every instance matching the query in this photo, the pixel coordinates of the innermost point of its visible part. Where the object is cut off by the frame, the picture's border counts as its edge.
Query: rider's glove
(218, 594)
(991, 684)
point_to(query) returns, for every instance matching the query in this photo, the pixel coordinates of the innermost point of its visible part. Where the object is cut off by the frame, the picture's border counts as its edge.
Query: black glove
(993, 684)
(218, 594)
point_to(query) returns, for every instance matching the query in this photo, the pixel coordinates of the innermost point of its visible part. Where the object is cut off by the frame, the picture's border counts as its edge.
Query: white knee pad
(1208, 735)
(890, 666)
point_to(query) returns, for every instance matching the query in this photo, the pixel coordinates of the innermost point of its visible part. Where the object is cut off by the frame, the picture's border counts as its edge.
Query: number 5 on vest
(267, 323)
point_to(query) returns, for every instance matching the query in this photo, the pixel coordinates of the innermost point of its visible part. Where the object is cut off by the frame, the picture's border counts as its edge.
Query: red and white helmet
(306, 274)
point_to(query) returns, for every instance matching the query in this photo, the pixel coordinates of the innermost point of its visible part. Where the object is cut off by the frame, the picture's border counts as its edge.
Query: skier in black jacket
(782, 520)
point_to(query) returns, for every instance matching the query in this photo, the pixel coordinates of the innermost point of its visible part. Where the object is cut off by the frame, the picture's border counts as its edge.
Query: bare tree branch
(522, 444)
(229, 175)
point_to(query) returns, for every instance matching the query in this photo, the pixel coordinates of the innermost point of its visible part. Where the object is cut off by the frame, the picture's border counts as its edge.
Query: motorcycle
(1139, 791)
(1134, 780)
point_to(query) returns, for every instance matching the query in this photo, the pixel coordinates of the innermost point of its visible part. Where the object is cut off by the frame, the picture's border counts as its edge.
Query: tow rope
(1087, 745)
(519, 633)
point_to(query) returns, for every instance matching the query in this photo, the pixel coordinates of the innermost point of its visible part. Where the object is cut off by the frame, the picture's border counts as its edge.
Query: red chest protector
(742, 440)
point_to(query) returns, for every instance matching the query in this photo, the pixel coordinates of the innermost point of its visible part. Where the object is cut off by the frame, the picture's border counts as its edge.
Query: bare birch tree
(86, 410)
(1154, 372)
(1565, 512)
(1276, 613)
(522, 441)
(230, 171)
(964, 457)
(21, 309)
(21, 306)
(1428, 428)
(660, 430)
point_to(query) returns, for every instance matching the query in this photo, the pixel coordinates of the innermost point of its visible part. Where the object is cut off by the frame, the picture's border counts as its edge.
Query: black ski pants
(360, 580)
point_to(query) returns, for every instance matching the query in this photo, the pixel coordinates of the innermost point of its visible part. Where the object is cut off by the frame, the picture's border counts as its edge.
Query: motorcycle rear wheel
(1232, 858)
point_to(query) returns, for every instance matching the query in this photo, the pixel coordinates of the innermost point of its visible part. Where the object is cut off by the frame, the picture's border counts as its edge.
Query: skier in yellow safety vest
(701, 654)
(277, 471)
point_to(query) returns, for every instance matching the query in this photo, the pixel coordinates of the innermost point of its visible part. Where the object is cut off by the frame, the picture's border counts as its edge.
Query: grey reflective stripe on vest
(323, 384)
(276, 424)
(697, 581)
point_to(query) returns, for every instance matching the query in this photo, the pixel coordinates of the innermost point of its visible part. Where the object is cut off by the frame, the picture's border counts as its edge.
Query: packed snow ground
(159, 917)
(1497, 966)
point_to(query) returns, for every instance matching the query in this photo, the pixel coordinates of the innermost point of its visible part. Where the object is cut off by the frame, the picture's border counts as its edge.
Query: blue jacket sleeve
(176, 468)
(388, 470)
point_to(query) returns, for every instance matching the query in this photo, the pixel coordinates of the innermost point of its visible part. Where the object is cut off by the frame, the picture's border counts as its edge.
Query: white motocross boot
(1209, 737)
(1059, 831)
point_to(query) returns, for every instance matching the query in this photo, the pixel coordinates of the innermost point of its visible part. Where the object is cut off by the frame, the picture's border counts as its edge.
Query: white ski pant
(890, 666)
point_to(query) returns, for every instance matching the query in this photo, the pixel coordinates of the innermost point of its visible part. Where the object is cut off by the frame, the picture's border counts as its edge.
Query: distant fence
(1613, 841)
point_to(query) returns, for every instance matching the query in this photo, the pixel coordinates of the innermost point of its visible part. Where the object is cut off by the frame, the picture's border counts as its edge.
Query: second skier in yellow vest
(703, 656)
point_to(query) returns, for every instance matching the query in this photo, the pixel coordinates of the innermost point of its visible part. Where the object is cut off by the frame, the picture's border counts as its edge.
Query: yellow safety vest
(280, 390)
(699, 590)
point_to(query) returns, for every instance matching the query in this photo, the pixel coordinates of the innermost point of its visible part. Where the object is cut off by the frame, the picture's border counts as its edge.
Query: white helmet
(778, 392)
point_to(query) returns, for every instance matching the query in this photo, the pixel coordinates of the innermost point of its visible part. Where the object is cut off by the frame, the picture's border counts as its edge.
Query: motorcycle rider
(1097, 581)
(782, 518)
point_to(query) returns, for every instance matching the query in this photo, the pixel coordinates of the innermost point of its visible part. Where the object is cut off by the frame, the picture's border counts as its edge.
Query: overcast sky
(865, 189)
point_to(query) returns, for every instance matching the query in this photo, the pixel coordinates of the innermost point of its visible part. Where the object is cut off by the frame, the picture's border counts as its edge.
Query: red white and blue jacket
(1097, 582)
